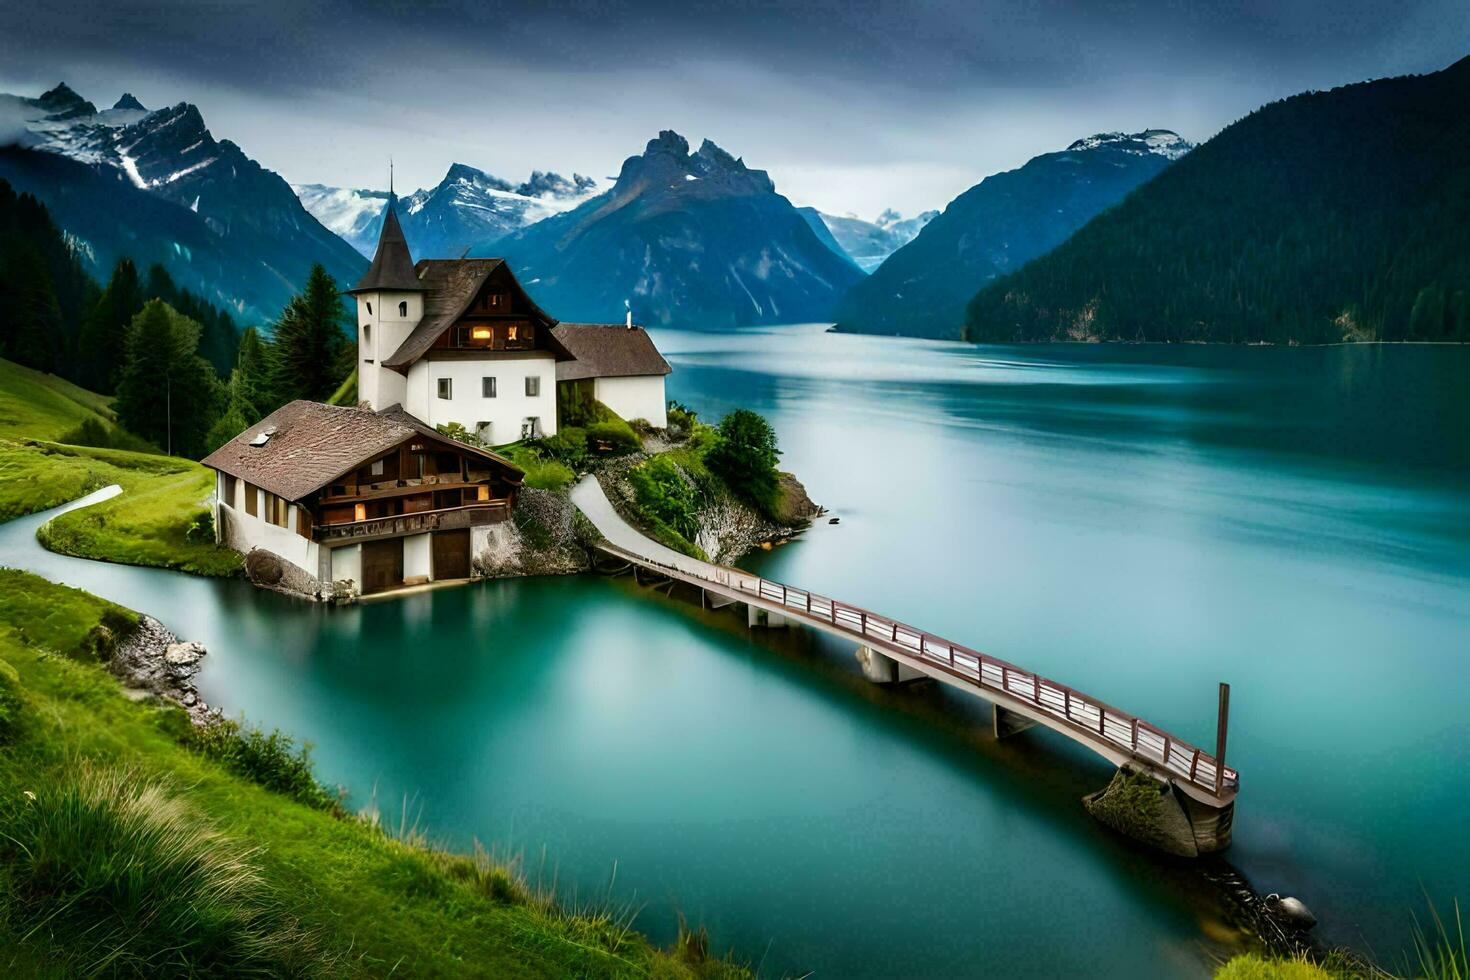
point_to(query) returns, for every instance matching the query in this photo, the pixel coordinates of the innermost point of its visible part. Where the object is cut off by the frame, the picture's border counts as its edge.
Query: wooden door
(451, 554)
(382, 565)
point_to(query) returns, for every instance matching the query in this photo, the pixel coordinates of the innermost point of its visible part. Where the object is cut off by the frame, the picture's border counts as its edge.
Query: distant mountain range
(468, 208)
(867, 243)
(685, 239)
(996, 227)
(1328, 216)
(156, 186)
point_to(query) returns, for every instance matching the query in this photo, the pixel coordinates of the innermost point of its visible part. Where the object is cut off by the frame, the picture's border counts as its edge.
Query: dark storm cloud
(936, 94)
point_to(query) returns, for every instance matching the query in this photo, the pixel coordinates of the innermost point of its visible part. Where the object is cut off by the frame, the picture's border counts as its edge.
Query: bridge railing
(1095, 719)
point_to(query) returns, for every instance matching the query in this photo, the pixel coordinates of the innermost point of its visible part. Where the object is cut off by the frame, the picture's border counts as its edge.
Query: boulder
(184, 654)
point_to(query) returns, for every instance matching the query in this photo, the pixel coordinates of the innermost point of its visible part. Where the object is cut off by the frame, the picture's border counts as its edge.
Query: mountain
(1328, 216)
(156, 186)
(868, 243)
(467, 208)
(999, 225)
(686, 239)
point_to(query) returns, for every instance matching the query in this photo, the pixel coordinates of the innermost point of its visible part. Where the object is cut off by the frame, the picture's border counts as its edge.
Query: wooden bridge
(891, 650)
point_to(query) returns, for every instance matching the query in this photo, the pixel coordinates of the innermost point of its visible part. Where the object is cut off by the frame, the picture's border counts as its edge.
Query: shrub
(201, 528)
(119, 878)
(682, 419)
(12, 700)
(744, 455)
(569, 446)
(273, 761)
(459, 433)
(1250, 966)
(664, 494)
(612, 437)
(547, 474)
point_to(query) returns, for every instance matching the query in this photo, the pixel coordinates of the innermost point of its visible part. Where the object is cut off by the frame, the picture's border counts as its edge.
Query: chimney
(629, 321)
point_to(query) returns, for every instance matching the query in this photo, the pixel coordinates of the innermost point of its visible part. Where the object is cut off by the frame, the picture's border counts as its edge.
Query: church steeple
(392, 268)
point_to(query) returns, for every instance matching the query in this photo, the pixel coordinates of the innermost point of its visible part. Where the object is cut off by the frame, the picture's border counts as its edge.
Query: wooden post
(1222, 725)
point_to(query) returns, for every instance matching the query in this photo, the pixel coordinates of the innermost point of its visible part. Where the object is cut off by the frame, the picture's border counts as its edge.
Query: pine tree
(103, 331)
(166, 392)
(33, 335)
(308, 341)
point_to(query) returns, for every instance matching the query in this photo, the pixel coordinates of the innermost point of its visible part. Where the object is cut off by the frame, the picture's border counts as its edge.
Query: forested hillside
(1329, 216)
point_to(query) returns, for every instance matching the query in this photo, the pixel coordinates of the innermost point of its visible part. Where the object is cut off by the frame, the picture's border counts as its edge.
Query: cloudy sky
(852, 105)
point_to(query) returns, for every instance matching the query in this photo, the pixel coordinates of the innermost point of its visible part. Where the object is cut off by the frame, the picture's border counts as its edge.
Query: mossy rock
(1138, 805)
(12, 699)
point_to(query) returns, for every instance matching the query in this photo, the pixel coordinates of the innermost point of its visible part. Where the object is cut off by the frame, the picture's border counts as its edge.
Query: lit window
(359, 512)
(510, 332)
(533, 386)
(403, 309)
(479, 333)
(487, 387)
(446, 388)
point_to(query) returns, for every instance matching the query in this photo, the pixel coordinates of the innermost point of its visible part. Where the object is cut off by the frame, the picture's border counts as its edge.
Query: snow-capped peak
(1161, 142)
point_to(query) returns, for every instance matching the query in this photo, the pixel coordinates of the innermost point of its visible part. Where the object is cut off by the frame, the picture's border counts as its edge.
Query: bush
(119, 878)
(744, 455)
(547, 474)
(569, 446)
(201, 528)
(1249, 966)
(272, 761)
(612, 437)
(681, 418)
(665, 495)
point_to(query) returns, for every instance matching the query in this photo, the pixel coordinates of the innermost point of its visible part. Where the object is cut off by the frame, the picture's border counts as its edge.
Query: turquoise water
(1139, 522)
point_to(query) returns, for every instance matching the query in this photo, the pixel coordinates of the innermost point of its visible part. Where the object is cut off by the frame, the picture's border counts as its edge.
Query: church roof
(302, 446)
(392, 267)
(451, 286)
(607, 350)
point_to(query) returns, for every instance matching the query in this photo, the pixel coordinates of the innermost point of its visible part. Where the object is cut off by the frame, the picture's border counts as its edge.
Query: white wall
(417, 558)
(248, 532)
(347, 564)
(468, 406)
(640, 397)
(377, 385)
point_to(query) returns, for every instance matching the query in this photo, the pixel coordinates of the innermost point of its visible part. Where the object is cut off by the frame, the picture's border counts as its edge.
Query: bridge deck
(1115, 734)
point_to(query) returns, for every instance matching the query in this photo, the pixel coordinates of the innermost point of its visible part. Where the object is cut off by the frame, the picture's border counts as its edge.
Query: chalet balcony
(450, 519)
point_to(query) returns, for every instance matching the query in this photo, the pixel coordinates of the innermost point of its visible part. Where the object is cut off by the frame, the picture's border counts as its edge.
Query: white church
(334, 502)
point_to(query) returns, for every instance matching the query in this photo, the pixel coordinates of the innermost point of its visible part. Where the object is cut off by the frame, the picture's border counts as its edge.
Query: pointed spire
(392, 267)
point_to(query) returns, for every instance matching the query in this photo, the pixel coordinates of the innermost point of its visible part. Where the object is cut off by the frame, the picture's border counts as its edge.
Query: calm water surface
(1139, 522)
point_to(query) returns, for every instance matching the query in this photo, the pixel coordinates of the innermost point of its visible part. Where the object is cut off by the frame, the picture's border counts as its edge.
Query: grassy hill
(1328, 216)
(42, 418)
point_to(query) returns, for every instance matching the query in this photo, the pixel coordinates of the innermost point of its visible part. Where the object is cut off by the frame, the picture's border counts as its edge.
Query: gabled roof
(392, 267)
(310, 444)
(452, 285)
(608, 350)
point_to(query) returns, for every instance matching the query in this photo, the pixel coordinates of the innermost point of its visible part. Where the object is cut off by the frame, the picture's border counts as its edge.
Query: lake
(1139, 522)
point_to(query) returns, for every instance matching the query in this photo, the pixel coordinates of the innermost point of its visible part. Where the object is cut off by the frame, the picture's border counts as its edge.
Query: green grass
(146, 525)
(1249, 966)
(346, 393)
(131, 829)
(42, 406)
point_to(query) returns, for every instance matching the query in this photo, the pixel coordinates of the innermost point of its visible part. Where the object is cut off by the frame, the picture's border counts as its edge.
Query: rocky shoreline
(153, 661)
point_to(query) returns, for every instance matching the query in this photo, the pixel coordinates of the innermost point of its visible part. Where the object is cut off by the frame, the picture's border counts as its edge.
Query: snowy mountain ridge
(469, 207)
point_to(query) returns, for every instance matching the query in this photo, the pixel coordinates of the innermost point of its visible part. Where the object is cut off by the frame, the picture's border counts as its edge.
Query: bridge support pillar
(755, 616)
(882, 669)
(1008, 723)
(1162, 814)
